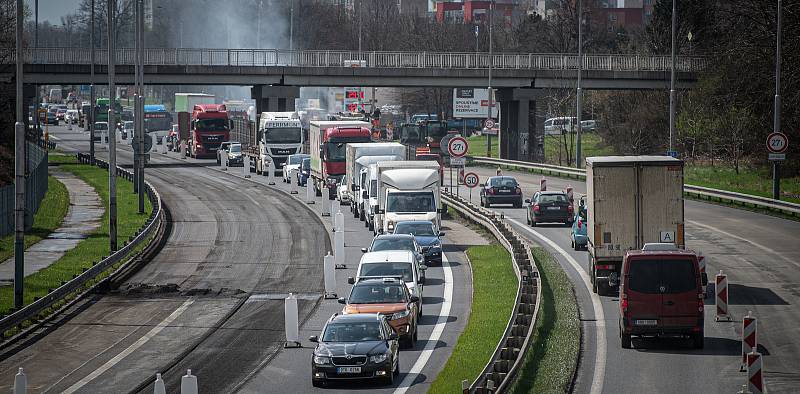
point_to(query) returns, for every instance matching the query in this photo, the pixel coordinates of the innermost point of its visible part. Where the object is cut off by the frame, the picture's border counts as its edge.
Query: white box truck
(407, 190)
(632, 200)
(359, 157)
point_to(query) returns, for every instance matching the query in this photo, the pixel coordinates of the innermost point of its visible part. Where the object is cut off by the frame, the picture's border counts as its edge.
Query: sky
(53, 10)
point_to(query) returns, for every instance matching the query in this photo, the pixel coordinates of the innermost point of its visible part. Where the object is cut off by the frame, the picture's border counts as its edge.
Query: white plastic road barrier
(339, 222)
(744, 390)
(223, 161)
(246, 166)
(334, 208)
(291, 322)
(183, 150)
(271, 173)
(118, 136)
(465, 386)
(543, 185)
(749, 338)
(338, 250)
(163, 146)
(755, 381)
(189, 383)
(309, 191)
(326, 207)
(158, 386)
(293, 186)
(20, 383)
(722, 297)
(329, 271)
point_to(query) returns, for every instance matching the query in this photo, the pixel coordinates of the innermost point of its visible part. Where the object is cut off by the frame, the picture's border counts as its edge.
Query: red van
(661, 294)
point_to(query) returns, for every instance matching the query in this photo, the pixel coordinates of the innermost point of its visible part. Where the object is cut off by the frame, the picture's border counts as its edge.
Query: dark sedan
(304, 173)
(501, 190)
(357, 346)
(426, 236)
(549, 207)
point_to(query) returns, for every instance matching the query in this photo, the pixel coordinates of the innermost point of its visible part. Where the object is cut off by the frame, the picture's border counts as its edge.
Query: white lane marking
(132, 348)
(438, 329)
(757, 245)
(599, 315)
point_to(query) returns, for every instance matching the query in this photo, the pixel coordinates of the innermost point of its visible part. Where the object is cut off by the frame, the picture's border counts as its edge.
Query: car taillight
(570, 209)
(602, 266)
(518, 190)
(580, 223)
(623, 303)
(700, 302)
(490, 191)
(535, 207)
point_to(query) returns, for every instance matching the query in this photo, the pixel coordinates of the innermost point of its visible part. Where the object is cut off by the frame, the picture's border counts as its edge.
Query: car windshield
(651, 276)
(295, 159)
(236, 148)
(552, 198)
(392, 244)
(128, 125)
(503, 182)
(377, 294)
(388, 269)
(352, 332)
(410, 202)
(283, 135)
(306, 164)
(423, 229)
(336, 149)
(212, 124)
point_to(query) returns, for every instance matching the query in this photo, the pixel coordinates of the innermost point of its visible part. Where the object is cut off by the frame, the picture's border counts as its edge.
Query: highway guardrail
(32, 311)
(498, 373)
(696, 192)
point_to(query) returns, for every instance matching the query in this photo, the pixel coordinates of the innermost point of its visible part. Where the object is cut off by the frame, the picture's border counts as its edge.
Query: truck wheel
(594, 283)
(625, 339)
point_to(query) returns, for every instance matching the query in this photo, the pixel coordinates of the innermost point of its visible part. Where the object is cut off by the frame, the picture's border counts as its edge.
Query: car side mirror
(393, 336)
(527, 201)
(704, 279)
(313, 338)
(351, 280)
(342, 300)
(441, 233)
(414, 299)
(363, 250)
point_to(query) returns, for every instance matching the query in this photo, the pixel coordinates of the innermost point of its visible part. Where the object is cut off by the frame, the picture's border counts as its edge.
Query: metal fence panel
(35, 189)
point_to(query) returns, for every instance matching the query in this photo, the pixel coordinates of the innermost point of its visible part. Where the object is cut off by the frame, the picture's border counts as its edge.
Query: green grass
(552, 356)
(750, 180)
(494, 287)
(591, 145)
(91, 249)
(477, 146)
(49, 217)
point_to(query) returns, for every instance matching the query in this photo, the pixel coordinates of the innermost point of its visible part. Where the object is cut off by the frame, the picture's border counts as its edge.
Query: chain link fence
(35, 189)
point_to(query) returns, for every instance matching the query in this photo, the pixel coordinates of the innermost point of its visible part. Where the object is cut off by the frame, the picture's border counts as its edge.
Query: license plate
(554, 208)
(348, 370)
(646, 322)
(505, 191)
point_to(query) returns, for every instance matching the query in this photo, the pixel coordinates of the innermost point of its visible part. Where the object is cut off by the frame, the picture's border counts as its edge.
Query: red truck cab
(209, 128)
(334, 147)
(661, 294)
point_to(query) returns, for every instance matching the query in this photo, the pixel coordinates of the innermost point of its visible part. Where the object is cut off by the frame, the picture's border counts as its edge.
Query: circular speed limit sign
(457, 147)
(489, 123)
(471, 179)
(777, 143)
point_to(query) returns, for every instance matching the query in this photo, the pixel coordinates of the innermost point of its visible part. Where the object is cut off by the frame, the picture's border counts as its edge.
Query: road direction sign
(777, 143)
(471, 179)
(457, 147)
(489, 123)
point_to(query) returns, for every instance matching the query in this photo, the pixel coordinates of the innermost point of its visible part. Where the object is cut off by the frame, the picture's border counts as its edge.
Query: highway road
(758, 253)
(212, 299)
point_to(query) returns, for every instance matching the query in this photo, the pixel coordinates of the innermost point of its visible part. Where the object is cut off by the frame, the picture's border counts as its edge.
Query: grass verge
(552, 357)
(591, 145)
(49, 217)
(91, 249)
(750, 180)
(494, 288)
(477, 146)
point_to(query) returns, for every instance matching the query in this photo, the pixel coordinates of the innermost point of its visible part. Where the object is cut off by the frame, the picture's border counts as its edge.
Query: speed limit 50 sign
(457, 147)
(471, 179)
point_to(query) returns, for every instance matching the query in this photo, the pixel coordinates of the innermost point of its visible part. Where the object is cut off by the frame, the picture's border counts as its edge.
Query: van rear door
(643, 292)
(679, 278)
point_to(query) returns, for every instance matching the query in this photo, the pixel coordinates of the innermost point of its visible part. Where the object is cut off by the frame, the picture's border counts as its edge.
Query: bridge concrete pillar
(521, 124)
(274, 98)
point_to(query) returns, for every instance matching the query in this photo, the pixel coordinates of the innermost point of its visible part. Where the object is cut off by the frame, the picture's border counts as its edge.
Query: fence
(35, 189)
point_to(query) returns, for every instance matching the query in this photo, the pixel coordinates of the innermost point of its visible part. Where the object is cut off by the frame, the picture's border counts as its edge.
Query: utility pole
(672, 78)
(491, 92)
(136, 131)
(112, 130)
(36, 87)
(19, 172)
(477, 31)
(359, 29)
(291, 25)
(579, 94)
(92, 109)
(776, 125)
(258, 31)
(140, 108)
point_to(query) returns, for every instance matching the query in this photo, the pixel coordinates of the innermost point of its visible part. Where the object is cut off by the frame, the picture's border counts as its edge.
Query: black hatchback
(501, 190)
(357, 346)
(549, 207)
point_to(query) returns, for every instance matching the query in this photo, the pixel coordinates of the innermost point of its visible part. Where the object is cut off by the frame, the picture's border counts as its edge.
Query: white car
(292, 167)
(393, 263)
(342, 195)
(560, 125)
(72, 116)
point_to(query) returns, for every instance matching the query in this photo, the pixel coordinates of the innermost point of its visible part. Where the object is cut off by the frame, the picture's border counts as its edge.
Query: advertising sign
(472, 103)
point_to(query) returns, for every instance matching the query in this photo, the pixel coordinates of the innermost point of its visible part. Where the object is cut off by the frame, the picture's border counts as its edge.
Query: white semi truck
(359, 157)
(407, 190)
(632, 200)
(279, 135)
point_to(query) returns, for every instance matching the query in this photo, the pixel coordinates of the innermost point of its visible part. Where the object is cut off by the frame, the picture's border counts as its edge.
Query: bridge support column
(521, 124)
(274, 98)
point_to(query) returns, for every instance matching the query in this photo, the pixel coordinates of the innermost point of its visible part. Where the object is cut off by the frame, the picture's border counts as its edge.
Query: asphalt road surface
(758, 253)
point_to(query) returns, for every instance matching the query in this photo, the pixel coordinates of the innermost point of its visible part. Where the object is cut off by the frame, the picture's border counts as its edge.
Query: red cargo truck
(328, 147)
(209, 128)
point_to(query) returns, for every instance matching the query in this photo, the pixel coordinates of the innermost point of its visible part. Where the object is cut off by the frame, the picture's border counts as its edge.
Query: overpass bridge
(276, 76)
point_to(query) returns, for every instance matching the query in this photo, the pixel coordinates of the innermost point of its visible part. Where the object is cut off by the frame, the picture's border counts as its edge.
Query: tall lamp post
(92, 109)
(491, 92)
(19, 171)
(112, 130)
(579, 93)
(776, 125)
(672, 78)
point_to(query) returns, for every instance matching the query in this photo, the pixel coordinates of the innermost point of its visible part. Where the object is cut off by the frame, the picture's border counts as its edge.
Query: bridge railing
(343, 59)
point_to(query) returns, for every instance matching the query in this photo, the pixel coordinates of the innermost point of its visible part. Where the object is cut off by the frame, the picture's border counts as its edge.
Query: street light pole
(136, 131)
(112, 131)
(258, 31)
(672, 78)
(92, 109)
(291, 25)
(579, 98)
(491, 93)
(776, 125)
(140, 107)
(19, 171)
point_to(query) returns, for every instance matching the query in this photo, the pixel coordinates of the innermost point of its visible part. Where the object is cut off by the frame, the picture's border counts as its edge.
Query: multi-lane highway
(758, 253)
(212, 299)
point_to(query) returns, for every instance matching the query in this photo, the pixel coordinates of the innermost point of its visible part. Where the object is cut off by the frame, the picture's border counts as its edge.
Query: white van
(560, 125)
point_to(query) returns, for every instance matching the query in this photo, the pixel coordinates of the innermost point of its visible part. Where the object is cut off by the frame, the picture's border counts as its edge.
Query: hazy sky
(53, 10)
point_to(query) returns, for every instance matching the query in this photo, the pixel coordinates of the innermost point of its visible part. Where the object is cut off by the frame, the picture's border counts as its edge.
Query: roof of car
(502, 176)
(356, 317)
(394, 236)
(380, 281)
(387, 255)
(553, 192)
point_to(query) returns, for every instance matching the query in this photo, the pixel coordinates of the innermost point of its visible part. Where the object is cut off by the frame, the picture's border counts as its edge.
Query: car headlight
(322, 360)
(378, 358)
(400, 315)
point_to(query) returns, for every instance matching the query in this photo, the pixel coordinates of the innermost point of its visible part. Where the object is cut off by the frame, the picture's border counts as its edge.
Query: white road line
(132, 348)
(599, 315)
(438, 329)
(745, 240)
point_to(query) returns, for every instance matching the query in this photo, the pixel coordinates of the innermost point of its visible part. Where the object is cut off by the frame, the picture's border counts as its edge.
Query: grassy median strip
(494, 288)
(49, 217)
(552, 357)
(96, 245)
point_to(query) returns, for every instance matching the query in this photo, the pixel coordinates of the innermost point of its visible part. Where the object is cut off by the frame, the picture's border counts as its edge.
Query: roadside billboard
(473, 103)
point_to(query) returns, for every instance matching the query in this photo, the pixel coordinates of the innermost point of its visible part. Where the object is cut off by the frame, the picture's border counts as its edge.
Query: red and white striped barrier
(749, 338)
(722, 297)
(755, 380)
(543, 185)
(701, 260)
